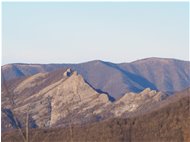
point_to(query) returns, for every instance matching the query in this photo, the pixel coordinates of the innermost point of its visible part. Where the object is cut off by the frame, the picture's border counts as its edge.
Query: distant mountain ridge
(166, 75)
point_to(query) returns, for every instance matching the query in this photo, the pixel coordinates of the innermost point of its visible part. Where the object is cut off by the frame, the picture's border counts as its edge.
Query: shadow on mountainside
(144, 83)
(112, 99)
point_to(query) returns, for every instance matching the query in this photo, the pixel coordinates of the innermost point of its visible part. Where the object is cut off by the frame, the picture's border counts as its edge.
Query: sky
(75, 32)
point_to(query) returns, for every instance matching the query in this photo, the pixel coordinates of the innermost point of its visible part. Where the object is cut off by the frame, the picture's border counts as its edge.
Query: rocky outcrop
(131, 102)
(63, 97)
(69, 98)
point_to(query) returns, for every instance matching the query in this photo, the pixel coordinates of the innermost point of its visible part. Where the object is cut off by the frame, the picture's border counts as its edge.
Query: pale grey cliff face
(131, 102)
(166, 75)
(68, 99)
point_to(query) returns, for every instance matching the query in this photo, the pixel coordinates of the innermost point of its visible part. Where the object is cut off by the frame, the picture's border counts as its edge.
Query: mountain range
(166, 75)
(96, 94)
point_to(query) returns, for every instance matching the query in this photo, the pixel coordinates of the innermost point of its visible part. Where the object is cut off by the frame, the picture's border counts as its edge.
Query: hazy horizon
(76, 32)
(91, 61)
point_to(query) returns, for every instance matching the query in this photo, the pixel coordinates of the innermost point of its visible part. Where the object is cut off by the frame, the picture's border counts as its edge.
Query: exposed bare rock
(73, 94)
(68, 72)
(67, 98)
(64, 95)
(130, 102)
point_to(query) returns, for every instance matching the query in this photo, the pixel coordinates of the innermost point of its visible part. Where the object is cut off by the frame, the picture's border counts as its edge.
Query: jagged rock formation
(68, 98)
(131, 102)
(59, 97)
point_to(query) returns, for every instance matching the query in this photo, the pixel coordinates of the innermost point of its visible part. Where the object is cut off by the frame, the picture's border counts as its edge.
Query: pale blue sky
(63, 32)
